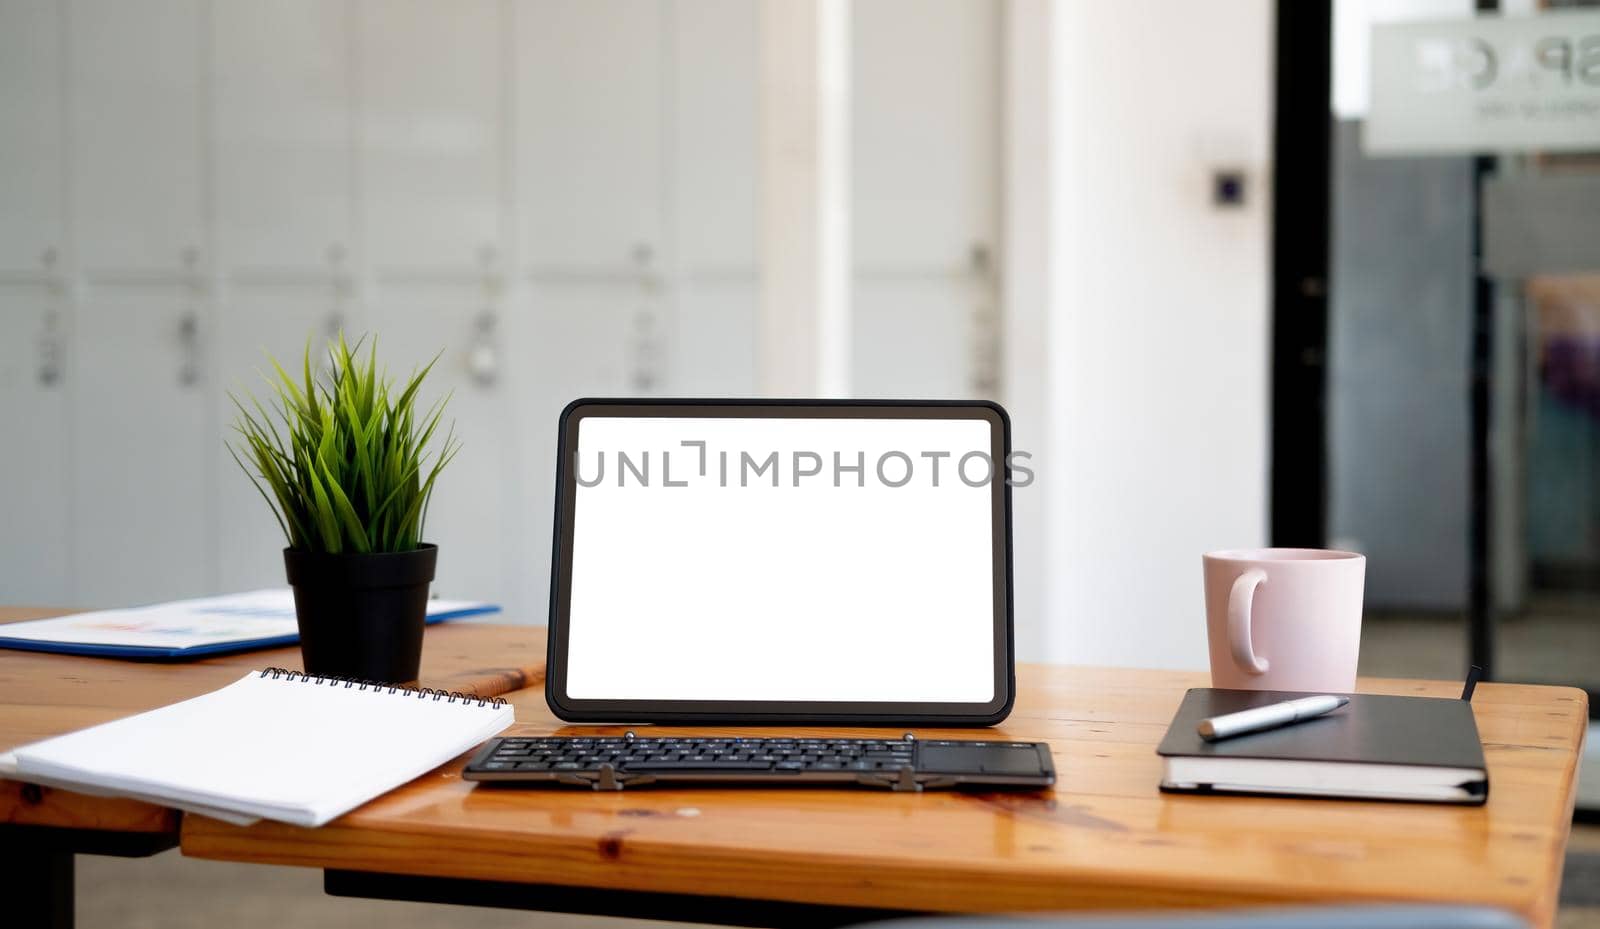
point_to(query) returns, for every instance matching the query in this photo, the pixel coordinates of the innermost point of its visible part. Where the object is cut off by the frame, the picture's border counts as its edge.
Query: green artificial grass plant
(349, 471)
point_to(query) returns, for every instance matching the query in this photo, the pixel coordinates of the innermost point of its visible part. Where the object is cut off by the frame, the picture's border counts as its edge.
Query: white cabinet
(255, 325)
(30, 133)
(219, 177)
(712, 348)
(35, 565)
(595, 339)
(589, 92)
(136, 129)
(432, 134)
(925, 133)
(142, 447)
(474, 502)
(578, 339)
(589, 75)
(715, 134)
(713, 195)
(919, 337)
(434, 148)
(282, 113)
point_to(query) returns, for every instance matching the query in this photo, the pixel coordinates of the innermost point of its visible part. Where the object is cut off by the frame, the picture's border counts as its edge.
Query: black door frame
(1302, 138)
(1301, 228)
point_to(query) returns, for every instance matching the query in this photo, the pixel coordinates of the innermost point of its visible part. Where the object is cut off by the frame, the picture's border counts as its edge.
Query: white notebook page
(281, 748)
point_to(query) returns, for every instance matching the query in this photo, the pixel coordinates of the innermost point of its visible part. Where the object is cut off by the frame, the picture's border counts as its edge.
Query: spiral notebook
(1378, 747)
(273, 745)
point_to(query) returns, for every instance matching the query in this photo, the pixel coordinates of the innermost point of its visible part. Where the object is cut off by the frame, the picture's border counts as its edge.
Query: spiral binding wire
(421, 693)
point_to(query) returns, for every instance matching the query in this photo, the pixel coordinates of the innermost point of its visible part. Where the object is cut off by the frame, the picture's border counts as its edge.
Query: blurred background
(890, 198)
(1244, 272)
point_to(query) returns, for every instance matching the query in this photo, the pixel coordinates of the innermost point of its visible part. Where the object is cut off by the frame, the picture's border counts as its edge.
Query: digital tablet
(773, 562)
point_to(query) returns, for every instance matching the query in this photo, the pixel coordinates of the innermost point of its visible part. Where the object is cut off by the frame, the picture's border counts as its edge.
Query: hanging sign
(1485, 85)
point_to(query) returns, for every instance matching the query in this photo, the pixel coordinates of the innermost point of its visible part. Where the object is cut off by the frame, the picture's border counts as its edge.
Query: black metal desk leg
(38, 887)
(36, 868)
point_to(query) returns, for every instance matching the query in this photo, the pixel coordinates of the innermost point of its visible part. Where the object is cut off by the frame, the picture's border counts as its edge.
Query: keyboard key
(700, 766)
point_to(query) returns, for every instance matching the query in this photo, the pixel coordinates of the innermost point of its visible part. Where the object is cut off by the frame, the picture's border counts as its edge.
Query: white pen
(1267, 717)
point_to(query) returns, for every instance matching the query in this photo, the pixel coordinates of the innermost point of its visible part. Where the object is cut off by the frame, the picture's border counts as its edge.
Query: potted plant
(343, 460)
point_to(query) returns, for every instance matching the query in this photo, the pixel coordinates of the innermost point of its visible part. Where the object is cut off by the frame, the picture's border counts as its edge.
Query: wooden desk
(1105, 838)
(42, 695)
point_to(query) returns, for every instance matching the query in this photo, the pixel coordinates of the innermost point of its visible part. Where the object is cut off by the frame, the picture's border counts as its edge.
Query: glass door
(1437, 325)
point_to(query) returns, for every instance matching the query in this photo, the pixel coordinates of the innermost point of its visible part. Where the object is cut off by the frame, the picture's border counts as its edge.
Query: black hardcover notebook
(1375, 748)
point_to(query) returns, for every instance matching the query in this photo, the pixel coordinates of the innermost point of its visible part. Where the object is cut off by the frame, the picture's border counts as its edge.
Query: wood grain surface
(43, 695)
(1104, 838)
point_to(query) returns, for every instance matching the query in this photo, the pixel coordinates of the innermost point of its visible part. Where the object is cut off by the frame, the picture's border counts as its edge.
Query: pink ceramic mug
(1284, 618)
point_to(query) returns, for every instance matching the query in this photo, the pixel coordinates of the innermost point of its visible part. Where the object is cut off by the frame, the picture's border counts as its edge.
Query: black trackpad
(979, 758)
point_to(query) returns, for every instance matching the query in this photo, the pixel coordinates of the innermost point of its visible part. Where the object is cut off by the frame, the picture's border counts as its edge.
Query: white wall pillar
(1159, 314)
(1027, 286)
(804, 336)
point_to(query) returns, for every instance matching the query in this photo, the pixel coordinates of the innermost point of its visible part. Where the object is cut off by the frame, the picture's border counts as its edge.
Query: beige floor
(1585, 841)
(173, 892)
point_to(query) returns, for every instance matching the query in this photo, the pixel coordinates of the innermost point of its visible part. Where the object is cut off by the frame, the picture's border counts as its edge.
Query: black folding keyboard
(906, 763)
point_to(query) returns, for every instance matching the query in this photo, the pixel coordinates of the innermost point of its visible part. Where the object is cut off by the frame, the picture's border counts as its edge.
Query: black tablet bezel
(783, 712)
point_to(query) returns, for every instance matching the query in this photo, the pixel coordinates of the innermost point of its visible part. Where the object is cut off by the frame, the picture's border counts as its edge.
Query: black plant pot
(362, 616)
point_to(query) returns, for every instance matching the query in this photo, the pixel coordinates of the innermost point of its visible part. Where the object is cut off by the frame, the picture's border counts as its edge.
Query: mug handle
(1240, 599)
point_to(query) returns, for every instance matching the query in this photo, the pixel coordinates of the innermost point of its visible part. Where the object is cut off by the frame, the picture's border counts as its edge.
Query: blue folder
(232, 646)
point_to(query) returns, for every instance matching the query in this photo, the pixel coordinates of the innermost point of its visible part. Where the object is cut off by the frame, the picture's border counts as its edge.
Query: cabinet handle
(50, 350)
(646, 351)
(51, 343)
(332, 325)
(985, 334)
(980, 259)
(189, 349)
(483, 358)
(985, 352)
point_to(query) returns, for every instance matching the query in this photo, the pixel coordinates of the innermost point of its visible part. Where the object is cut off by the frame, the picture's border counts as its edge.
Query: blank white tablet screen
(740, 575)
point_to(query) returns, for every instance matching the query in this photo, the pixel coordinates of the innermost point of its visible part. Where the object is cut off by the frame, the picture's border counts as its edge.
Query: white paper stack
(271, 746)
